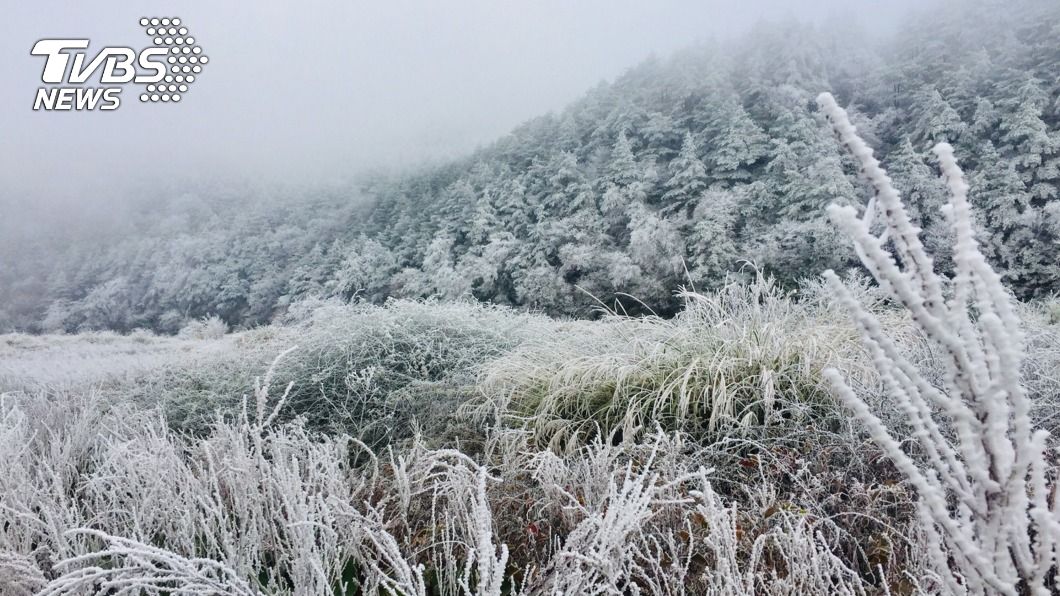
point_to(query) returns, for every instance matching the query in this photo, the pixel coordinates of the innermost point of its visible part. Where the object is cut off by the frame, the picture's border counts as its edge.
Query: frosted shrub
(261, 507)
(982, 474)
(20, 575)
(742, 357)
(604, 552)
(211, 327)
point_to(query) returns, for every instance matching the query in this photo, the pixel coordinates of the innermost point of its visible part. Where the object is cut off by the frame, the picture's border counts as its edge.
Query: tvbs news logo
(163, 72)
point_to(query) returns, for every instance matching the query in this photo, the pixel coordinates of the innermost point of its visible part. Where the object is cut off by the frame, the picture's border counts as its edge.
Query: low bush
(736, 361)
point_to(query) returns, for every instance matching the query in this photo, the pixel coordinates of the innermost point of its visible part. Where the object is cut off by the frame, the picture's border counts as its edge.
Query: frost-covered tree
(1027, 138)
(923, 195)
(623, 170)
(567, 191)
(739, 147)
(661, 136)
(712, 242)
(365, 272)
(655, 246)
(985, 120)
(688, 177)
(805, 172)
(1000, 199)
(938, 121)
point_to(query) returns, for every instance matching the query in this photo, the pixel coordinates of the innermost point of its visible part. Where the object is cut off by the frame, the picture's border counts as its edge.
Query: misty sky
(313, 92)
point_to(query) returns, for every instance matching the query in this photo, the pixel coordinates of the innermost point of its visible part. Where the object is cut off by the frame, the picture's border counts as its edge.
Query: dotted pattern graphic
(185, 58)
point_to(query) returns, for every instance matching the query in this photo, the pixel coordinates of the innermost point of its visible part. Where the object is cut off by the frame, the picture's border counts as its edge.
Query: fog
(311, 93)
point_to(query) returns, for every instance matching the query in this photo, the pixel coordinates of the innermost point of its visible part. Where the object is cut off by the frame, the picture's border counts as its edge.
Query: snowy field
(93, 359)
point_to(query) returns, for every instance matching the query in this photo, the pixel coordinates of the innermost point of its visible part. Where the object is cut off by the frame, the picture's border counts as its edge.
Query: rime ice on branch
(990, 524)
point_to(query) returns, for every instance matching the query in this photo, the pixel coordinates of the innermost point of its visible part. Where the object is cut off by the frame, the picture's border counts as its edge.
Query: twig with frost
(603, 554)
(488, 561)
(984, 497)
(20, 575)
(130, 567)
(261, 396)
(790, 559)
(386, 567)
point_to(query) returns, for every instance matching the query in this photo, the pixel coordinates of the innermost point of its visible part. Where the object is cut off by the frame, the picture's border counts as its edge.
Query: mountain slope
(679, 172)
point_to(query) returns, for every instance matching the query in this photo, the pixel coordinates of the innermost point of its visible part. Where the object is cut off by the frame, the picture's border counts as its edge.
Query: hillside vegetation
(674, 174)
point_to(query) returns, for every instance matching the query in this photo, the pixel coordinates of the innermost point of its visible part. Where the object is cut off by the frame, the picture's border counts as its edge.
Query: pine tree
(938, 121)
(1026, 137)
(806, 172)
(655, 246)
(622, 171)
(1000, 200)
(569, 134)
(740, 146)
(661, 136)
(486, 220)
(712, 242)
(923, 194)
(688, 178)
(984, 126)
(567, 191)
